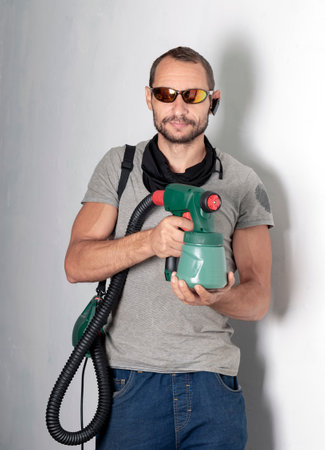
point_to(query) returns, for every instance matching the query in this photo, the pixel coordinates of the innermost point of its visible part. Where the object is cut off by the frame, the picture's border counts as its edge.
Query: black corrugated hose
(91, 341)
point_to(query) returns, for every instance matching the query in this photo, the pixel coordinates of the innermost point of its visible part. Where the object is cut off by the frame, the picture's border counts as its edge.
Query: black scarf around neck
(157, 173)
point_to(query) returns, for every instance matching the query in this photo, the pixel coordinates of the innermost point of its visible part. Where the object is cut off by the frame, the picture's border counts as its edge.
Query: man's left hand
(199, 296)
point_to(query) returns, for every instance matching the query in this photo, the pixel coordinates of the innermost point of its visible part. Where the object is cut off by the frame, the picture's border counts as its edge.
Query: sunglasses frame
(182, 94)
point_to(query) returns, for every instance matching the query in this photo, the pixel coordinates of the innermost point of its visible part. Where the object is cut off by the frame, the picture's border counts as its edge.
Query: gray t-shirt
(151, 330)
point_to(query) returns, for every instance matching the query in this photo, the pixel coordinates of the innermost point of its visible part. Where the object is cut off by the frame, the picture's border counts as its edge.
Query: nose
(179, 106)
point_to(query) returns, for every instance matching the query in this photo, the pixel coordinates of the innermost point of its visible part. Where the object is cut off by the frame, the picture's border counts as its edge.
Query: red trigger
(187, 215)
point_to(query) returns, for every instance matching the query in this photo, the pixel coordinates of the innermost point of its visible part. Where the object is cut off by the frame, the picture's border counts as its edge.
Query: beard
(197, 128)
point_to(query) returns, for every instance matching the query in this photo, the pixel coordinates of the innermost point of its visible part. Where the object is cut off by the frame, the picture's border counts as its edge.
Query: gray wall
(72, 77)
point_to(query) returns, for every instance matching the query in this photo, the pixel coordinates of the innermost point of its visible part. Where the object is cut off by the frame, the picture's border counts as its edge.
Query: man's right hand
(166, 239)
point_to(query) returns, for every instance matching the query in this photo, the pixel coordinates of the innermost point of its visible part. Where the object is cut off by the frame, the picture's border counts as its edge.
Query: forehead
(180, 75)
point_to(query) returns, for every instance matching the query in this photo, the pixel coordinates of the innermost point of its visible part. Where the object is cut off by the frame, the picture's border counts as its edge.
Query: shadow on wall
(237, 79)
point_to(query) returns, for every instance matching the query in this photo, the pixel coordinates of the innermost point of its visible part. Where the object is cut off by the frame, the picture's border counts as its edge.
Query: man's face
(179, 122)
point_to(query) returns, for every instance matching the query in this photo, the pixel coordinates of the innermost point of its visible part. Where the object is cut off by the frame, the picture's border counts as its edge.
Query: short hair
(184, 54)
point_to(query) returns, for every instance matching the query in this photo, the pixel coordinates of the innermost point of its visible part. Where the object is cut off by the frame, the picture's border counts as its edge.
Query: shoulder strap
(127, 166)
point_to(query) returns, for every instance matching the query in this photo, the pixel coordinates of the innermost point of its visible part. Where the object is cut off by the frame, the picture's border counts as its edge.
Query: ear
(148, 98)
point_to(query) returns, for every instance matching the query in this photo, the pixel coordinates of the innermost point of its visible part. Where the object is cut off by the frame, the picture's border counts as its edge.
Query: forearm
(91, 257)
(95, 260)
(247, 301)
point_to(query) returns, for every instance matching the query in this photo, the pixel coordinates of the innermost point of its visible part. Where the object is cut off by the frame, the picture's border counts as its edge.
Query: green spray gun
(203, 255)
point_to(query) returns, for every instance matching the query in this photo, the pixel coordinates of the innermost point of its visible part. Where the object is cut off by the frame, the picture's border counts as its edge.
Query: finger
(230, 283)
(182, 291)
(175, 247)
(231, 279)
(175, 286)
(186, 291)
(206, 297)
(178, 236)
(201, 291)
(180, 222)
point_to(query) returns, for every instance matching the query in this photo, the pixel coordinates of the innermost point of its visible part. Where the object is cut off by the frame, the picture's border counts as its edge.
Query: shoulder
(233, 169)
(247, 191)
(115, 154)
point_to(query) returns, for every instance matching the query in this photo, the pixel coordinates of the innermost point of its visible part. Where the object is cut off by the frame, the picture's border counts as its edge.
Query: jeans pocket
(122, 381)
(228, 382)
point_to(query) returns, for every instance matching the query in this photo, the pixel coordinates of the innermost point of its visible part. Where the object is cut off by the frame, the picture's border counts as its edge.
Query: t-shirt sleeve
(255, 208)
(102, 187)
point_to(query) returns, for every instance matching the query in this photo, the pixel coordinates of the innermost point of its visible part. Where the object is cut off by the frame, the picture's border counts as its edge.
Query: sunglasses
(169, 95)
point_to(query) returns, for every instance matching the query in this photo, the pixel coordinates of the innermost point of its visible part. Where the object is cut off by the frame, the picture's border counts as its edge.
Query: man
(170, 347)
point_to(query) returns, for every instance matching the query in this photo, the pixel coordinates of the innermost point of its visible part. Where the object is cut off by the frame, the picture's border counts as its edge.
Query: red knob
(210, 201)
(213, 202)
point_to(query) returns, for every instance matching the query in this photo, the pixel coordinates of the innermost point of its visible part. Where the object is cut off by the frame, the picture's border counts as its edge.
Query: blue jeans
(153, 411)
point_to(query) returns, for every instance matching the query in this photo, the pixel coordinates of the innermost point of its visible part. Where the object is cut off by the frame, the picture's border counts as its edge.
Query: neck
(182, 156)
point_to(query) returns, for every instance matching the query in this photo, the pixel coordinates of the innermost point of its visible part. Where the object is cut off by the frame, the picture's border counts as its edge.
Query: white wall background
(72, 85)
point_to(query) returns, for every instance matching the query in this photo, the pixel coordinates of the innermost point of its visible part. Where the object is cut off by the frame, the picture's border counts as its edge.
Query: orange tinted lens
(165, 95)
(194, 95)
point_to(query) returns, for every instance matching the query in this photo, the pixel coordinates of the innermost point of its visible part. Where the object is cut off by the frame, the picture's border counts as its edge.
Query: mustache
(180, 119)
